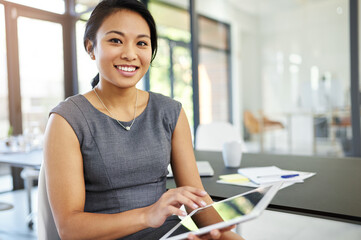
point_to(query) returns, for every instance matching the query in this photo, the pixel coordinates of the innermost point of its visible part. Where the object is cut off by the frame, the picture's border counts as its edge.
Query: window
(41, 72)
(160, 68)
(82, 6)
(5, 178)
(171, 71)
(56, 6)
(296, 70)
(214, 71)
(4, 104)
(86, 67)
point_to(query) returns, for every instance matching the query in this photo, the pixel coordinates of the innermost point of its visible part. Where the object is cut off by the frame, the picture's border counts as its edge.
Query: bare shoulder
(60, 138)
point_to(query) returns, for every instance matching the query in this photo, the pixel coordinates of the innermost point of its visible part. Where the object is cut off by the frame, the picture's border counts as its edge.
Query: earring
(91, 55)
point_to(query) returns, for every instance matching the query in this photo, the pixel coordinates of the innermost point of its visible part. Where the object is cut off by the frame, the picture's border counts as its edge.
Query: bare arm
(184, 165)
(66, 189)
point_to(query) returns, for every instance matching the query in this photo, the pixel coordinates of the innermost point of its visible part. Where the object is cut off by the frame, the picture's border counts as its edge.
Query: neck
(124, 106)
(117, 97)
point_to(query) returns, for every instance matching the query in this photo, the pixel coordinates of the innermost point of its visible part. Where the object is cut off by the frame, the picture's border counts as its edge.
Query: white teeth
(126, 69)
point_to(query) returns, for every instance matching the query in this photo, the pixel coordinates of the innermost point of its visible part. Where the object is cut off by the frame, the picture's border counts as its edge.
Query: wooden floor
(270, 225)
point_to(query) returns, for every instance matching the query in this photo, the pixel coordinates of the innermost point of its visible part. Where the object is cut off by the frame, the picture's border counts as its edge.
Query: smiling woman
(107, 151)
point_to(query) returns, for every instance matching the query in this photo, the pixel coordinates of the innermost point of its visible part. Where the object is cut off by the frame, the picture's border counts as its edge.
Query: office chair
(260, 126)
(212, 136)
(46, 225)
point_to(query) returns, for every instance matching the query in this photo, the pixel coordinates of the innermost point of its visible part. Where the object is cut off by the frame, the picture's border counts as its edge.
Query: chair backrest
(46, 225)
(251, 122)
(212, 136)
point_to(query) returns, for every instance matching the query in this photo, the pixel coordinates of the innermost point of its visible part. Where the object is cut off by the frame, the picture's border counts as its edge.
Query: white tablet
(230, 211)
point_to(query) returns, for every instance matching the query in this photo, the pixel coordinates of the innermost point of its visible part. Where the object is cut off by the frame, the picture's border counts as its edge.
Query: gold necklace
(135, 110)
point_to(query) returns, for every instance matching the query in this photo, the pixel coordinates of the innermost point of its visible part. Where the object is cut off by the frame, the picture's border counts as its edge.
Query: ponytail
(95, 81)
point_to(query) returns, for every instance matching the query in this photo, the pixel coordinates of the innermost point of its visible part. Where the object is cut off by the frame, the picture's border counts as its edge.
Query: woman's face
(123, 51)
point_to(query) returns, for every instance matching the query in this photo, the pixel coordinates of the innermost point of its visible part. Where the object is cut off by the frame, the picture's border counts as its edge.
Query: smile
(126, 68)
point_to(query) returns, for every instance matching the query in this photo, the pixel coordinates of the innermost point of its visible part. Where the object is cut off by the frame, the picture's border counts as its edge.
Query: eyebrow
(122, 34)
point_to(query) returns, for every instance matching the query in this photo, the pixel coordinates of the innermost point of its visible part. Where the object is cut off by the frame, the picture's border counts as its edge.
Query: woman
(107, 151)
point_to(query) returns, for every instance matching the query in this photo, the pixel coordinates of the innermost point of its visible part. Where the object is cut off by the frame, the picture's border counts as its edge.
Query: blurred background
(279, 71)
(283, 72)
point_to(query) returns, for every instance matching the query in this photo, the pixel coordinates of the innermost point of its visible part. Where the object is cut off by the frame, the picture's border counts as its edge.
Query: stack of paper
(257, 176)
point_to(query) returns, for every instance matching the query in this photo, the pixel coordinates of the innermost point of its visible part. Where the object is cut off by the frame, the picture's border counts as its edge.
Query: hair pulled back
(106, 8)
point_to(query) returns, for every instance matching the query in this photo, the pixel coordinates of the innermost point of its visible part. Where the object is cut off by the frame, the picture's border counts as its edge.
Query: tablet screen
(226, 210)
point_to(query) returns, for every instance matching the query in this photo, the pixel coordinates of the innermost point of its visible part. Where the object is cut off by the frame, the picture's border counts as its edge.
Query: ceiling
(258, 7)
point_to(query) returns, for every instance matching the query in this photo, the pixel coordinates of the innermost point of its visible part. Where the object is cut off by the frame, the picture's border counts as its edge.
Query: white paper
(271, 174)
(254, 185)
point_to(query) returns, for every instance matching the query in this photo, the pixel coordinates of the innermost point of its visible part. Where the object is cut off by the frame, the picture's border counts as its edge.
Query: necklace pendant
(127, 128)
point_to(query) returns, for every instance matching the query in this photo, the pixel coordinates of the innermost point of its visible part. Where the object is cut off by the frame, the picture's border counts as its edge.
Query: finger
(215, 234)
(193, 237)
(176, 211)
(193, 200)
(183, 197)
(227, 228)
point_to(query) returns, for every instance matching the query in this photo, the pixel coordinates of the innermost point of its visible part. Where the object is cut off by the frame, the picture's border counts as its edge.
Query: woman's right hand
(170, 203)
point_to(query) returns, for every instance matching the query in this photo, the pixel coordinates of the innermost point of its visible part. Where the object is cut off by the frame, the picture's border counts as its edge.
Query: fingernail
(195, 205)
(184, 213)
(203, 192)
(203, 203)
(190, 237)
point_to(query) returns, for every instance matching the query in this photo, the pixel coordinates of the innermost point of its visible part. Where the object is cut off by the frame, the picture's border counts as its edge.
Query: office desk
(333, 193)
(31, 159)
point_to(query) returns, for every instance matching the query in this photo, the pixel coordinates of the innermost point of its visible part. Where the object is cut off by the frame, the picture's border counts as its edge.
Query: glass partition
(296, 77)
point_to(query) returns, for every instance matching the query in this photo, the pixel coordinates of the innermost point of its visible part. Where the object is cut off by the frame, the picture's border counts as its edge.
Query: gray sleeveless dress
(124, 170)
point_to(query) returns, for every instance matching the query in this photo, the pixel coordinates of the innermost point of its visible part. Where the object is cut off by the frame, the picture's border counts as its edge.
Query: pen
(282, 176)
(290, 175)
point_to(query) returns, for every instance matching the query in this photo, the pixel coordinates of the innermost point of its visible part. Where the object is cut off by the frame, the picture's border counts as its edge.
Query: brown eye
(142, 43)
(115, 40)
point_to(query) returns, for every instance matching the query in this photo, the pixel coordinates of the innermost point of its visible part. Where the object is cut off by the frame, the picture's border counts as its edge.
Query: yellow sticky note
(234, 178)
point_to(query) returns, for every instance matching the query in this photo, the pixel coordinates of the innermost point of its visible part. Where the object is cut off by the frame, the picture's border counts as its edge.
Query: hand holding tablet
(170, 203)
(226, 213)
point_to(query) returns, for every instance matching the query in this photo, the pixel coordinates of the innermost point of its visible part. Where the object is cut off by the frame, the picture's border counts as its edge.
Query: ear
(90, 49)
